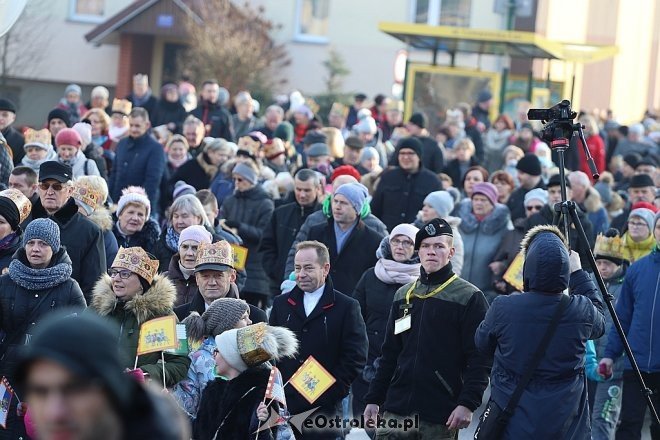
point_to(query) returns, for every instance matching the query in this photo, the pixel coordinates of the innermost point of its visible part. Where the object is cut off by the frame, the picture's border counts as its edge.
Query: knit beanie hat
(486, 189)
(68, 136)
(441, 201)
(43, 229)
(530, 164)
(196, 233)
(369, 153)
(255, 344)
(181, 188)
(318, 150)
(356, 193)
(284, 131)
(223, 314)
(133, 194)
(405, 229)
(366, 125)
(536, 194)
(345, 170)
(645, 214)
(412, 143)
(58, 113)
(85, 131)
(245, 171)
(73, 88)
(419, 119)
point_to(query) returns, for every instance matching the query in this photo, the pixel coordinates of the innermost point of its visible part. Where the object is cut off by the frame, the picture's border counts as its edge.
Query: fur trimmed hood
(156, 302)
(546, 267)
(497, 221)
(102, 218)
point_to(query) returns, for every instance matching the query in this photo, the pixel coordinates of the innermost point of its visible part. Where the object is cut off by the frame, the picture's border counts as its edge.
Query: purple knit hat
(486, 189)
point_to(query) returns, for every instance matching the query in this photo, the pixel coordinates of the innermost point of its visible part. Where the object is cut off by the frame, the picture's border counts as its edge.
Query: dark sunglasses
(534, 208)
(56, 186)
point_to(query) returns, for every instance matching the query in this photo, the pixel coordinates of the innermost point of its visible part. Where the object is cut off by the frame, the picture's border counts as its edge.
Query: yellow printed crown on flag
(37, 138)
(311, 380)
(216, 256)
(137, 261)
(611, 248)
(22, 203)
(88, 195)
(122, 106)
(157, 335)
(339, 109)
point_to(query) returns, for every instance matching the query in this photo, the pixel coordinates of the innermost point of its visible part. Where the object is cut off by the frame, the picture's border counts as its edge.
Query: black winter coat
(516, 202)
(357, 255)
(251, 210)
(91, 151)
(146, 238)
(400, 195)
(453, 170)
(233, 404)
(84, 243)
(149, 106)
(192, 173)
(197, 305)
(16, 141)
(166, 112)
(138, 162)
(333, 333)
(218, 118)
(279, 236)
(434, 366)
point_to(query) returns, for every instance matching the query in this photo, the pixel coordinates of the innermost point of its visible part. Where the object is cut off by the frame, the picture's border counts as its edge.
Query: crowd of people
(393, 252)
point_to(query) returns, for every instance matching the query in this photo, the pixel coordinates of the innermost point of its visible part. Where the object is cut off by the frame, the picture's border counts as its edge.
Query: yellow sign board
(157, 335)
(240, 256)
(312, 380)
(514, 274)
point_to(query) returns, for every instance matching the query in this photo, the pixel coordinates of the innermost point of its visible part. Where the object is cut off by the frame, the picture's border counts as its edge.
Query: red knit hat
(68, 136)
(646, 205)
(345, 170)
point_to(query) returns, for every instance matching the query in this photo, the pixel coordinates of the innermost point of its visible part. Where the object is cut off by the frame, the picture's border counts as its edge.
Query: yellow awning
(494, 42)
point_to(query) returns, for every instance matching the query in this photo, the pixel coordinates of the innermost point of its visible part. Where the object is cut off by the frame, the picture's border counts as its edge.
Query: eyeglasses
(637, 224)
(46, 186)
(238, 179)
(402, 243)
(535, 208)
(123, 274)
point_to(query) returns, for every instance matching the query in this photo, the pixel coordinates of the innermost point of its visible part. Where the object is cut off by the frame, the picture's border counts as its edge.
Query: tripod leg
(582, 237)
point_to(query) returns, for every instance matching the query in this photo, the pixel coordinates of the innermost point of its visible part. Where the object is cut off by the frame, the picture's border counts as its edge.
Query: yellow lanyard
(435, 291)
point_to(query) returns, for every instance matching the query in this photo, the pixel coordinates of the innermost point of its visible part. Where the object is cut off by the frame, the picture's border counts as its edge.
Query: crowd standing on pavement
(414, 263)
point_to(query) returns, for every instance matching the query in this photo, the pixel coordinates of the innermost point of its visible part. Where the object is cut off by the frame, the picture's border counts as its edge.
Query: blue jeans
(607, 406)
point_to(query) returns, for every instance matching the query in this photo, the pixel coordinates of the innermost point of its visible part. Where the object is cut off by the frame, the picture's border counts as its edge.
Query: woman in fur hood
(130, 295)
(232, 405)
(90, 194)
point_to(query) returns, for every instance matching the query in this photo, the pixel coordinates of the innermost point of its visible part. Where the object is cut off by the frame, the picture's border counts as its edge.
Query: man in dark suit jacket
(329, 327)
(351, 243)
(215, 276)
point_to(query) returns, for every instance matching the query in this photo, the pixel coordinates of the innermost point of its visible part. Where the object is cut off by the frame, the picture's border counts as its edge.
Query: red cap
(646, 205)
(68, 136)
(345, 170)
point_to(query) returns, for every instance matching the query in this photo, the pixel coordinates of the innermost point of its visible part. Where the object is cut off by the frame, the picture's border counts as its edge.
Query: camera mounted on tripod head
(557, 120)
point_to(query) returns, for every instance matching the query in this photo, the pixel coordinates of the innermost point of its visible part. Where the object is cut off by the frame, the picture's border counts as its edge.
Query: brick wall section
(135, 55)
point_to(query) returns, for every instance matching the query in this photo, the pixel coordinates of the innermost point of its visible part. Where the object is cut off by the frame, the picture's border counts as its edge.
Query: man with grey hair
(636, 142)
(273, 117)
(286, 222)
(193, 130)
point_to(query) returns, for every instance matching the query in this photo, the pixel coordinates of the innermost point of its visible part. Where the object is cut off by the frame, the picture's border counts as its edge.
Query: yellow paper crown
(339, 109)
(22, 203)
(37, 137)
(612, 247)
(123, 106)
(137, 261)
(87, 195)
(215, 253)
(249, 340)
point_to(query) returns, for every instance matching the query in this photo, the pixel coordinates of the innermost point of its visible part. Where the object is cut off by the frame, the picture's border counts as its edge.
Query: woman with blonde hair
(335, 142)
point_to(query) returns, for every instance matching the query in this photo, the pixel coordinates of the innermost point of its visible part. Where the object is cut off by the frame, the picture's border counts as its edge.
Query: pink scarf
(393, 272)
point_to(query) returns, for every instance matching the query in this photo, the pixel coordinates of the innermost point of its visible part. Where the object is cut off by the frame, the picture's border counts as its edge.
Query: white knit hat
(133, 194)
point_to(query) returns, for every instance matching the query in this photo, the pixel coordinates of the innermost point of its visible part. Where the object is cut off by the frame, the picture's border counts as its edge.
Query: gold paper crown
(215, 253)
(137, 261)
(339, 109)
(22, 203)
(249, 340)
(612, 247)
(312, 104)
(395, 104)
(37, 137)
(123, 106)
(87, 195)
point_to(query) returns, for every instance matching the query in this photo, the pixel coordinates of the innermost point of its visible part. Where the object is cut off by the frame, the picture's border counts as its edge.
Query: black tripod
(568, 210)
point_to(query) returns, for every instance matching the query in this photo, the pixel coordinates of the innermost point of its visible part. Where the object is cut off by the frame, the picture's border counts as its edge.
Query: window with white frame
(88, 11)
(312, 20)
(442, 12)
